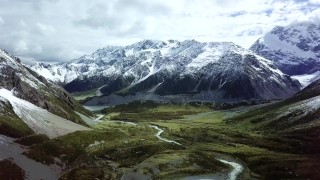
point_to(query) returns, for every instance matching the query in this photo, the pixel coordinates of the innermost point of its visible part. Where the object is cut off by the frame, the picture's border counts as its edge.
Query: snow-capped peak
(153, 65)
(294, 49)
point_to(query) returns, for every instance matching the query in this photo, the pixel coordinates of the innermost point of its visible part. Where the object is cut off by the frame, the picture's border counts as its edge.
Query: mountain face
(28, 86)
(217, 70)
(298, 112)
(294, 49)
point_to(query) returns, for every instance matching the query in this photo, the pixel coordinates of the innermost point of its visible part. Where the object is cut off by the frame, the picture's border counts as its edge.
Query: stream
(158, 135)
(34, 170)
(237, 168)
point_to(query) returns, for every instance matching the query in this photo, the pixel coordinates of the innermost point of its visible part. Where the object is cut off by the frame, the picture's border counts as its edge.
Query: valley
(166, 110)
(173, 140)
(145, 139)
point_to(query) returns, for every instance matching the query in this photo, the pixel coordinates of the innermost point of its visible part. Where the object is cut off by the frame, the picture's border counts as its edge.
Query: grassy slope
(84, 95)
(122, 145)
(125, 147)
(269, 154)
(62, 109)
(11, 125)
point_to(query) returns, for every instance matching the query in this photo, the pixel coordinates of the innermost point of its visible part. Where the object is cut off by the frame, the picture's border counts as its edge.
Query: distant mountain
(294, 49)
(216, 70)
(30, 97)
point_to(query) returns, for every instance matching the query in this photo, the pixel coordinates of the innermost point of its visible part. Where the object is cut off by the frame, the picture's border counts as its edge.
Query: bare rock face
(34, 88)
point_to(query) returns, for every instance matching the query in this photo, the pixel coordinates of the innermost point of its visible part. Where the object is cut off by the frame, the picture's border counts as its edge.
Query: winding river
(158, 135)
(237, 168)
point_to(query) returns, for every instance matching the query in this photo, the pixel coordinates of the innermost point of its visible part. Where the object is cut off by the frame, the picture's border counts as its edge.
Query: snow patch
(273, 42)
(307, 79)
(39, 120)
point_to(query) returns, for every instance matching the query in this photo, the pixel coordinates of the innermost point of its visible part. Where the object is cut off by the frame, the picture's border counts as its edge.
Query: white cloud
(1, 21)
(58, 30)
(313, 16)
(21, 46)
(45, 29)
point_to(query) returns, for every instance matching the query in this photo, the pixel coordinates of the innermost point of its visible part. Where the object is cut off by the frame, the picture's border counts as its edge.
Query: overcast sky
(61, 30)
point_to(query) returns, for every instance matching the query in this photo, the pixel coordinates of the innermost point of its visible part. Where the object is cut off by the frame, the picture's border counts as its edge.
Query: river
(236, 167)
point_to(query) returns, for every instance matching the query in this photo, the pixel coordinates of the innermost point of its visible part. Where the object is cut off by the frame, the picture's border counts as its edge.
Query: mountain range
(219, 71)
(268, 141)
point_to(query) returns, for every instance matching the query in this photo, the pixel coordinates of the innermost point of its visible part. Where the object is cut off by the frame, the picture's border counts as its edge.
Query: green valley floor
(143, 140)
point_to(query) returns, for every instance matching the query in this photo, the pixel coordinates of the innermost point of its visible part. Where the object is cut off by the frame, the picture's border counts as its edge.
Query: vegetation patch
(11, 125)
(32, 139)
(237, 135)
(149, 110)
(83, 173)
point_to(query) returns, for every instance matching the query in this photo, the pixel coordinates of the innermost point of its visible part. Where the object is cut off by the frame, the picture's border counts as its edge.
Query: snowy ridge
(9, 61)
(294, 49)
(173, 67)
(39, 120)
(147, 56)
(31, 87)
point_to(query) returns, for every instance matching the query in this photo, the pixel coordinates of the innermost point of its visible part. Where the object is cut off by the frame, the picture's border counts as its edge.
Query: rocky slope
(294, 49)
(27, 85)
(217, 71)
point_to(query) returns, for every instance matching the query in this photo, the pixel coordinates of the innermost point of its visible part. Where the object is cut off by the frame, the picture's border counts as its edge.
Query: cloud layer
(60, 30)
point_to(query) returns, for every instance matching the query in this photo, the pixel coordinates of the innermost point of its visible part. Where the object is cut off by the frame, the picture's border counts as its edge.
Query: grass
(178, 164)
(11, 125)
(61, 109)
(138, 111)
(84, 95)
(83, 173)
(69, 147)
(121, 144)
(127, 146)
(204, 133)
(32, 139)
